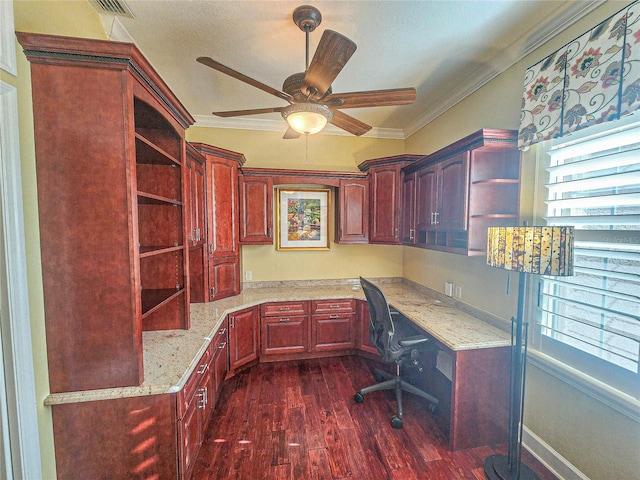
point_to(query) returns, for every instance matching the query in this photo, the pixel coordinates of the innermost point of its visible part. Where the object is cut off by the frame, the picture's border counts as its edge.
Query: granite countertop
(171, 355)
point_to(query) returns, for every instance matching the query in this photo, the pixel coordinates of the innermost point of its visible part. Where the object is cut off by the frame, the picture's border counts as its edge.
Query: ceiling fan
(311, 101)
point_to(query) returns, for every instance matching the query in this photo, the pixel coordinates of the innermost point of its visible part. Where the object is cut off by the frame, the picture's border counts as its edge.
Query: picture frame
(303, 219)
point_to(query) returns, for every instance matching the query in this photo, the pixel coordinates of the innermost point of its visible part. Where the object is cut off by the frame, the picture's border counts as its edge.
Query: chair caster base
(358, 397)
(396, 422)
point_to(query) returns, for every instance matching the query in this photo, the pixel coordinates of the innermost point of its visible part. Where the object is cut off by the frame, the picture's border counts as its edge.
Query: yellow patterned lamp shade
(539, 250)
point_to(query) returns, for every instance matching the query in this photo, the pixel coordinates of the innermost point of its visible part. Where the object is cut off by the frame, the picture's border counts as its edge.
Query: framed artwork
(303, 219)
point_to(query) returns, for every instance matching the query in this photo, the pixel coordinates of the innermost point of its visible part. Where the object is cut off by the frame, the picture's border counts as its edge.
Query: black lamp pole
(510, 467)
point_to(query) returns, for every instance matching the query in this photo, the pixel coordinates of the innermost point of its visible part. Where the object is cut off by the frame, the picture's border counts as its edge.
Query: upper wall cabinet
(222, 220)
(256, 210)
(385, 197)
(109, 140)
(462, 190)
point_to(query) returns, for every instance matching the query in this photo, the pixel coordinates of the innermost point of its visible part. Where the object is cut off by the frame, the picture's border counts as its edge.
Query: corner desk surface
(171, 355)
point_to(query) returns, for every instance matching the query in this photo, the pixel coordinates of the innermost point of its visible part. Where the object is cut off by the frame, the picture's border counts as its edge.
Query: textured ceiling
(445, 49)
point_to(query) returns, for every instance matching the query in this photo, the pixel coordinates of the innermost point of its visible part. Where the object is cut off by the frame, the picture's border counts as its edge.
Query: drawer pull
(223, 331)
(284, 309)
(334, 306)
(334, 316)
(203, 368)
(222, 345)
(284, 319)
(203, 398)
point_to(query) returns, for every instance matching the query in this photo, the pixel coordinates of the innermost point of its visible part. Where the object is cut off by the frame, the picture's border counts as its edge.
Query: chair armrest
(411, 341)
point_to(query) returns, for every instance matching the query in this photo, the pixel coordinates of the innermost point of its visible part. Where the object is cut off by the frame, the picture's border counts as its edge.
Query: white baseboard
(556, 463)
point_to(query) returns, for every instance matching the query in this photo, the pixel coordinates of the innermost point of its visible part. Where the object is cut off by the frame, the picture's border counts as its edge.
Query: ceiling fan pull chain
(306, 149)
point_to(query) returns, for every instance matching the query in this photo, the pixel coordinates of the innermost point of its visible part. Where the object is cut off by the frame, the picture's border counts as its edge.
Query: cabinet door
(243, 337)
(219, 367)
(189, 439)
(385, 188)
(332, 332)
(426, 196)
(282, 335)
(408, 210)
(224, 277)
(195, 194)
(353, 212)
(452, 193)
(364, 318)
(256, 210)
(222, 201)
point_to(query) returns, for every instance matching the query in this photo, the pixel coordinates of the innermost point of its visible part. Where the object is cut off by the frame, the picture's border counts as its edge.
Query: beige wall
(339, 153)
(593, 437)
(71, 18)
(598, 440)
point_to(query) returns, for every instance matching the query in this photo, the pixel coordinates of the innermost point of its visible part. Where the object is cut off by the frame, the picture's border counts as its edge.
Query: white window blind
(592, 319)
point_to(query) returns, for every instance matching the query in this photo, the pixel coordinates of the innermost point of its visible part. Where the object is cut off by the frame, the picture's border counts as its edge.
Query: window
(591, 321)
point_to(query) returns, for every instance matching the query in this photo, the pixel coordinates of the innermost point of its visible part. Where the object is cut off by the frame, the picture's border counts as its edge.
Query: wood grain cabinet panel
(256, 210)
(352, 212)
(464, 188)
(243, 337)
(109, 138)
(333, 325)
(223, 245)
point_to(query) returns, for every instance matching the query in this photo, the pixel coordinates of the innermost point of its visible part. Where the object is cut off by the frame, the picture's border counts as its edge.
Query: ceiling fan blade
(210, 62)
(349, 124)
(290, 133)
(255, 111)
(376, 98)
(332, 54)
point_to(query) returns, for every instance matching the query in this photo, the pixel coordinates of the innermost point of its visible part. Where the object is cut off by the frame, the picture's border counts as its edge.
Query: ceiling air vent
(115, 7)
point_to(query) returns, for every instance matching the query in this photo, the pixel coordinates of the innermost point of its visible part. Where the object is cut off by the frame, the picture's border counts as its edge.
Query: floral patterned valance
(593, 79)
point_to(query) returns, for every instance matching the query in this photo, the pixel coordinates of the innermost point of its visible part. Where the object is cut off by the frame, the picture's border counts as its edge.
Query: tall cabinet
(109, 140)
(223, 240)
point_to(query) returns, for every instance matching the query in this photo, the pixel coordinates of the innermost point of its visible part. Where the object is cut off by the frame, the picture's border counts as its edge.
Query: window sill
(625, 404)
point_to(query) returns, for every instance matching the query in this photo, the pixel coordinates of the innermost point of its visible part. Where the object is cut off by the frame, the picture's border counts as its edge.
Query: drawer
(185, 396)
(220, 336)
(277, 309)
(333, 306)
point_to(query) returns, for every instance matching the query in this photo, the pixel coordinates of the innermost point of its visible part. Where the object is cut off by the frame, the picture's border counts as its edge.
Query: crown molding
(527, 43)
(243, 123)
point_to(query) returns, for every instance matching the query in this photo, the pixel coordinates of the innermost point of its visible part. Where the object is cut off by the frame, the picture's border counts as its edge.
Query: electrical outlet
(448, 289)
(248, 275)
(458, 292)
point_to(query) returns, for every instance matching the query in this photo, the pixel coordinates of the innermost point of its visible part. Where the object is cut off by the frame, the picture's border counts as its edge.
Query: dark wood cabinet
(384, 210)
(256, 210)
(195, 186)
(408, 209)
(386, 197)
(243, 337)
(223, 245)
(464, 188)
(332, 325)
(352, 212)
(109, 146)
(364, 337)
(284, 328)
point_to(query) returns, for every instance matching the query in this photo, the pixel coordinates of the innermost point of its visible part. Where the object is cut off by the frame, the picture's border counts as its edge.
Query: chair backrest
(381, 329)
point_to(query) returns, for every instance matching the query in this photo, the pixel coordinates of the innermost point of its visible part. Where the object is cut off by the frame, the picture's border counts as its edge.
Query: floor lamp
(527, 250)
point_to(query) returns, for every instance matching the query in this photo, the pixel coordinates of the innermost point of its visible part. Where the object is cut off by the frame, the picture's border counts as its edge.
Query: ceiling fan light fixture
(307, 118)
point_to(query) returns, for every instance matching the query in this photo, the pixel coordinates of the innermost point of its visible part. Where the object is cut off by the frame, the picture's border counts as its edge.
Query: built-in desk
(470, 378)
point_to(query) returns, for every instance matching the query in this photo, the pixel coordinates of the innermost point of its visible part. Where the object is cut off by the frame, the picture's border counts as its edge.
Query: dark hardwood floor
(298, 420)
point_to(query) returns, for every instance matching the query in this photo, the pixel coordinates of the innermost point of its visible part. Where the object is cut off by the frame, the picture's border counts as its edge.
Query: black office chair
(397, 342)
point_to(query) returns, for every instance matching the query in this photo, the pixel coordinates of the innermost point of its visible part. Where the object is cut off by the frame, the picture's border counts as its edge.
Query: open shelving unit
(161, 249)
